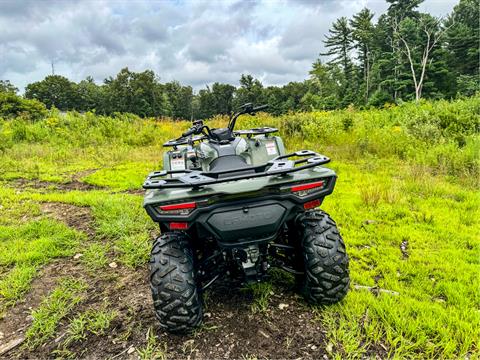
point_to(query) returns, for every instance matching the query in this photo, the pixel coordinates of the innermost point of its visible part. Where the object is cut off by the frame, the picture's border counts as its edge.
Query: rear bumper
(236, 225)
(250, 218)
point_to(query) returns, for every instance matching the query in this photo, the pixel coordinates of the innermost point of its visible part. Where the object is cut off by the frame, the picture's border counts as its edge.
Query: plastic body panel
(177, 159)
(255, 221)
(254, 150)
(262, 149)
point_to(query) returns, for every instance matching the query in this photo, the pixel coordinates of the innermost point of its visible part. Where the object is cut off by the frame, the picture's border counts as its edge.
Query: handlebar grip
(261, 107)
(189, 132)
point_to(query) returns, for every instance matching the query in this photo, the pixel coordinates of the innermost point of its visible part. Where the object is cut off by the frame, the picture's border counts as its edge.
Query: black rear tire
(177, 302)
(327, 278)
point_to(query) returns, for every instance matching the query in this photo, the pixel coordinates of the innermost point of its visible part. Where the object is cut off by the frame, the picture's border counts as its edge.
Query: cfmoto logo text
(247, 218)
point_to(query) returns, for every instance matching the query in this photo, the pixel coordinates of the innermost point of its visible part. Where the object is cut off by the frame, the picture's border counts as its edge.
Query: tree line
(404, 55)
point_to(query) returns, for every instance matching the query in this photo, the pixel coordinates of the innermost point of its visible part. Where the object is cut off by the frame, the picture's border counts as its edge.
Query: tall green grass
(441, 136)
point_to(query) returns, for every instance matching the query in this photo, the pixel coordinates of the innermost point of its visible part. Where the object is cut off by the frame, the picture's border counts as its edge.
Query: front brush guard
(193, 178)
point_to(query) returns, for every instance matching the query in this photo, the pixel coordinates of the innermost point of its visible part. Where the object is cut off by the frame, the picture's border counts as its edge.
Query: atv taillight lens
(177, 209)
(306, 189)
(178, 226)
(312, 204)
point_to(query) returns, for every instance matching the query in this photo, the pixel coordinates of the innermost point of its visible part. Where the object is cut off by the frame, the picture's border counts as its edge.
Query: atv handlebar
(246, 109)
(189, 132)
(198, 128)
(261, 107)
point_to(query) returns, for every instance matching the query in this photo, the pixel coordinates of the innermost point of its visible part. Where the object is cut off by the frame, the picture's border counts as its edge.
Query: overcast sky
(194, 42)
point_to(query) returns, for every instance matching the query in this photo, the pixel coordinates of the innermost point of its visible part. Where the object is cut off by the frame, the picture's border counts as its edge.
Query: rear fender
(207, 202)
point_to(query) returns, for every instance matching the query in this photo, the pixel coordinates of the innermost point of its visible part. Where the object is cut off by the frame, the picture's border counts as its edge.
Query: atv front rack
(281, 165)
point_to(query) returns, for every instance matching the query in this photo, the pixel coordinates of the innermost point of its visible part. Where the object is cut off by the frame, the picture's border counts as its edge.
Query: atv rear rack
(193, 178)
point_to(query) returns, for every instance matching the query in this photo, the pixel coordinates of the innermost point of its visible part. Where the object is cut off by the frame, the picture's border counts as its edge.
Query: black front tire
(177, 302)
(327, 278)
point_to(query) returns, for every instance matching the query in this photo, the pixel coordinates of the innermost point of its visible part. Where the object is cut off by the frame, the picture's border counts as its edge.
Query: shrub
(12, 105)
(440, 134)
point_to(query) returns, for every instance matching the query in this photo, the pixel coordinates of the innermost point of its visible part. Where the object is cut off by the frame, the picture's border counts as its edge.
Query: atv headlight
(307, 189)
(177, 209)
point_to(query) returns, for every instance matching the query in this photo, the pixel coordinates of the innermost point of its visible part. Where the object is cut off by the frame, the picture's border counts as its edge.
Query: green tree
(339, 41)
(286, 98)
(217, 99)
(324, 87)
(391, 71)
(223, 98)
(385, 70)
(418, 38)
(363, 35)
(180, 99)
(401, 9)
(250, 91)
(89, 96)
(54, 90)
(462, 45)
(137, 93)
(276, 99)
(205, 104)
(7, 86)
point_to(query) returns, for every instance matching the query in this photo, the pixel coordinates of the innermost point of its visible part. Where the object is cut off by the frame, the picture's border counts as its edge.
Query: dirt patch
(125, 290)
(77, 217)
(77, 177)
(73, 185)
(230, 328)
(288, 328)
(22, 184)
(18, 318)
(134, 192)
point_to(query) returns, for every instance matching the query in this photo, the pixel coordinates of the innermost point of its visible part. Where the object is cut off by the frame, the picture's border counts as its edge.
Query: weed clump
(53, 309)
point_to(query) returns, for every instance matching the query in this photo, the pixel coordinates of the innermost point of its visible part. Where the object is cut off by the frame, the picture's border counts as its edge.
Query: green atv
(233, 203)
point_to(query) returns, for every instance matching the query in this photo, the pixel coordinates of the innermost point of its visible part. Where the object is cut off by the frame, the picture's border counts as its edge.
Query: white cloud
(194, 42)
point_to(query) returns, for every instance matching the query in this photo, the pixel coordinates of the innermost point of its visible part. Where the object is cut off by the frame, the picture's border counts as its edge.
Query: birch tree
(417, 39)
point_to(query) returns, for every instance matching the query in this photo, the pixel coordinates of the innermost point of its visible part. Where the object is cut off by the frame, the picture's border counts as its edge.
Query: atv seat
(230, 162)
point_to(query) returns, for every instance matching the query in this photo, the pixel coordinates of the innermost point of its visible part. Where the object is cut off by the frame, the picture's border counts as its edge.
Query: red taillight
(190, 205)
(312, 204)
(178, 226)
(306, 189)
(177, 209)
(303, 187)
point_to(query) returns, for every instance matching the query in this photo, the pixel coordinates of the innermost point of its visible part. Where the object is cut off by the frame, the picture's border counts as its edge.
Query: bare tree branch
(432, 38)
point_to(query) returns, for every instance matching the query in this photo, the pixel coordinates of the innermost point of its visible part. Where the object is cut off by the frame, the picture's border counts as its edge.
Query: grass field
(74, 241)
